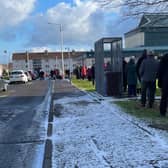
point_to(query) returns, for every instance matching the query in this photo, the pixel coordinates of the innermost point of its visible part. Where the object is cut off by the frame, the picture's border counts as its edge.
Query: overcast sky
(24, 25)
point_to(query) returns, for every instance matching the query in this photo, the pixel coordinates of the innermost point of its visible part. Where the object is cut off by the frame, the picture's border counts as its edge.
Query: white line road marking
(3, 95)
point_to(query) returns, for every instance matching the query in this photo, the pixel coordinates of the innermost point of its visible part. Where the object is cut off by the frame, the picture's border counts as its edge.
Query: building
(3, 68)
(47, 61)
(87, 58)
(151, 33)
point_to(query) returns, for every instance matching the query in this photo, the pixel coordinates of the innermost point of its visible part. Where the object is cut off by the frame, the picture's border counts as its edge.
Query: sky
(34, 25)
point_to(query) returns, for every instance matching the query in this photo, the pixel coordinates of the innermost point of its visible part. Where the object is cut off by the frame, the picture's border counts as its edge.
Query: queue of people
(141, 76)
(145, 72)
(55, 74)
(83, 72)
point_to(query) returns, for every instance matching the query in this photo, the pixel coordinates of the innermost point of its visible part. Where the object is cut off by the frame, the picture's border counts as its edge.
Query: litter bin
(113, 84)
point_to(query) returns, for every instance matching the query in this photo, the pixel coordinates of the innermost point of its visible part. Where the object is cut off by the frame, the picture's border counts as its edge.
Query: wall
(49, 63)
(156, 39)
(135, 40)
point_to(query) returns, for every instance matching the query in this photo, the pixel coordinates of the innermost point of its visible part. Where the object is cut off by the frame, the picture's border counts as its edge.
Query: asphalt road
(22, 125)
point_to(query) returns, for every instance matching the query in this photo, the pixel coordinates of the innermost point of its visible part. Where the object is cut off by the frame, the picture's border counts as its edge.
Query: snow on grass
(91, 134)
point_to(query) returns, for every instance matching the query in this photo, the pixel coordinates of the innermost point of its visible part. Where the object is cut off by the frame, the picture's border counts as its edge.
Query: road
(23, 120)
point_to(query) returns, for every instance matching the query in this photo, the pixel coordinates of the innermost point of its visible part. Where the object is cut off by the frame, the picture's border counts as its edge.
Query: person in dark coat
(41, 74)
(163, 83)
(93, 74)
(89, 75)
(148, 74)
(51, 74)
(77, 72)
(124, 75)
(131, 77)
(139, 62)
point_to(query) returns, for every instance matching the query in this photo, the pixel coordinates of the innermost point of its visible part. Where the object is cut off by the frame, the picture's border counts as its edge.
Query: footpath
(87, 131)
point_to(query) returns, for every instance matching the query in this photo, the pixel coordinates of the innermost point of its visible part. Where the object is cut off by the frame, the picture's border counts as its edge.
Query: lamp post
(62, 54)
(69, 58)
(27, 59)
(47, 62)
(56, 62)
(6, 53)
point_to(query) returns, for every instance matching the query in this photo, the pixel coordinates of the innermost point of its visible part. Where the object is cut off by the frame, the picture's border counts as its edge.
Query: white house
(47, 61)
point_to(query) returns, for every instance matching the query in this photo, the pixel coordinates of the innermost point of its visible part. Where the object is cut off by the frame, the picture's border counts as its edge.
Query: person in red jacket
(84, 72)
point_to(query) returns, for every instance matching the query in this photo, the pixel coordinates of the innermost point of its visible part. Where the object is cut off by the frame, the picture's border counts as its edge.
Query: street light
(62, 54)
(69, 63)
(8, 60)
(27, 59)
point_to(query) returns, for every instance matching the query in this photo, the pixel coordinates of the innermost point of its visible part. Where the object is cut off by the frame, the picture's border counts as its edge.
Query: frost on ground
(93, 134)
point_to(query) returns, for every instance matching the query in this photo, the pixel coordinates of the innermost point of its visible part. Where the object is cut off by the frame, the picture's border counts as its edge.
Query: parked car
(28, 76)
(3, 84)
(18, 76)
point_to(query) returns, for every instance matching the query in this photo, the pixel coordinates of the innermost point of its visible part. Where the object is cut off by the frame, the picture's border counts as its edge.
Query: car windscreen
(16, 73)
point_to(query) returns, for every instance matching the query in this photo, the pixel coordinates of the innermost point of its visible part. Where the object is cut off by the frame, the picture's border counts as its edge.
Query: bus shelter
(108, 66)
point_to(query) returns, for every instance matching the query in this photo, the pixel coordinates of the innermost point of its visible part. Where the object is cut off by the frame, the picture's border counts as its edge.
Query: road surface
(22, 124)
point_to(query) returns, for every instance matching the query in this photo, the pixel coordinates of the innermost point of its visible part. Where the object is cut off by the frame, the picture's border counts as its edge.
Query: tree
(137, 7)
(4, 72)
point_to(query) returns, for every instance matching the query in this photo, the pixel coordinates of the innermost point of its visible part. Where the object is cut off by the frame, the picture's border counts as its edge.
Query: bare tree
(136, 7)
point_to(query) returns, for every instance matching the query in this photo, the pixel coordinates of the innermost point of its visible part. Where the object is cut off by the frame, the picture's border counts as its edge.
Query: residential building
(47, 61)
(151, 33)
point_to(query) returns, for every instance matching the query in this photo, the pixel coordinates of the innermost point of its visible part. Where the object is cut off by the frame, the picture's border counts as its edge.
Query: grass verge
(151, 116)
(83, 84)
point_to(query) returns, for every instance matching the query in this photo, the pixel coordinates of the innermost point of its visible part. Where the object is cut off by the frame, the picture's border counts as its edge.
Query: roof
(154, 20)
(43, 55)
(161, 48)
(159, 20)
(109, 39)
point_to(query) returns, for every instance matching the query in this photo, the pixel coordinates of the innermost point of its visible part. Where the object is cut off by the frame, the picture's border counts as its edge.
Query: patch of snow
(72, 100)
(91, 134)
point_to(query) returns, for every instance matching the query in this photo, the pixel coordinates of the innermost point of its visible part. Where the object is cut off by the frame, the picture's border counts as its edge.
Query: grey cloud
(80, 25)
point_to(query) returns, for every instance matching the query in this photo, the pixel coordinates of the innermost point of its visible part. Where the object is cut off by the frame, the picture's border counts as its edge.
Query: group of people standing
(54, 74)
(146, 71)
(83, 72)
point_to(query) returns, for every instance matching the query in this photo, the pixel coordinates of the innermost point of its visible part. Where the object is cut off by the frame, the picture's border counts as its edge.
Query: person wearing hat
(148, 74)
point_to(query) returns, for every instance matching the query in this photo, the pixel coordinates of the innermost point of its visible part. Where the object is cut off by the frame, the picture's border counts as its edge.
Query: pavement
(87, 130)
